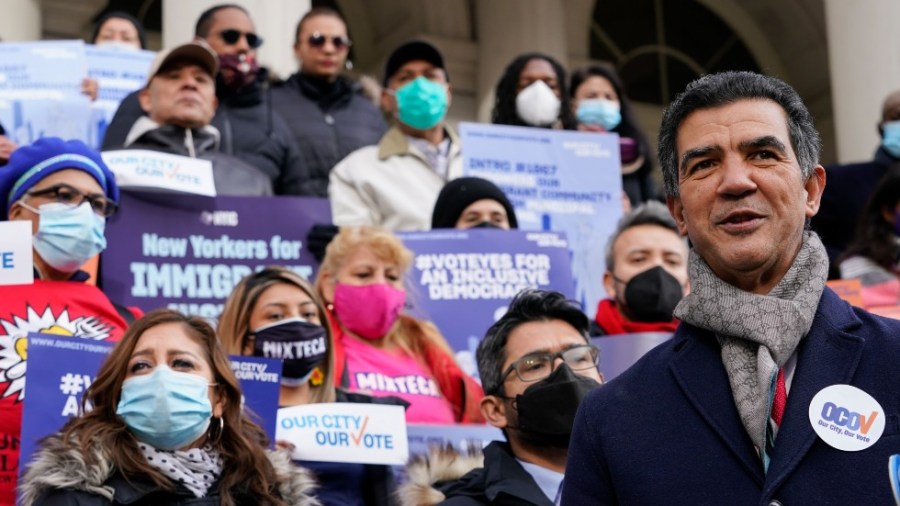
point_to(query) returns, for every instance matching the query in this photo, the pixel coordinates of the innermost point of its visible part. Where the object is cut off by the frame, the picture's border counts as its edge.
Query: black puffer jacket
(250, 131)
(232, 175)
(328, 121)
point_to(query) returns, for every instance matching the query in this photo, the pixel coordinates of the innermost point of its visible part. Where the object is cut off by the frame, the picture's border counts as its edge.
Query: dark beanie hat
(459, 193)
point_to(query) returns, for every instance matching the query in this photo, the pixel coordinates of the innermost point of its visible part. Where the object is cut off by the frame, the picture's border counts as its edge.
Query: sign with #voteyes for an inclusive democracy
(557, 180)
(462, 280)
(345, 432)
(118, 72)
(61, 368)
(187, 252)
(40, 90)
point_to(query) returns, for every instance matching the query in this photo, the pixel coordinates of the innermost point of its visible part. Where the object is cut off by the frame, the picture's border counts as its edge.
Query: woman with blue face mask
(600, 105)
(274, 310)
(166, 427)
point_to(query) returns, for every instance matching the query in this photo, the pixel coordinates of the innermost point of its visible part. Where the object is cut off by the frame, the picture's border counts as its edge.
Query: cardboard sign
(152, 170)
(16, 258)
(345, 432)
(557, 180)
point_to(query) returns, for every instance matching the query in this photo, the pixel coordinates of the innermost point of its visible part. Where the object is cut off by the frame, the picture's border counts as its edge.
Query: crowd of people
(756, 331)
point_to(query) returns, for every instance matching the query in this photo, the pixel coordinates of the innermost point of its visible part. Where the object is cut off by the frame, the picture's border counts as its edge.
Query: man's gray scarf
(758, 333)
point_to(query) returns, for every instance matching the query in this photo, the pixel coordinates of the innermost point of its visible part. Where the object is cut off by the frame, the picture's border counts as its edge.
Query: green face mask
(422, 103)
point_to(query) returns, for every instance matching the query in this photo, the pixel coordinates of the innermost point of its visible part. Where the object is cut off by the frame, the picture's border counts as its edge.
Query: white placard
(139, 168)
(846, 417)
(345, 432)
(16, 262)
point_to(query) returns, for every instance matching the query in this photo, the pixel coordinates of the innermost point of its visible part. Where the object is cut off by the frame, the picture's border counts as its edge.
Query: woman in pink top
(376, 348)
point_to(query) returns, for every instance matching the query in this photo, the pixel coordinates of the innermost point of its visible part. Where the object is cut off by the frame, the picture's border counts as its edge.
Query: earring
(219, 432)
(348, 64)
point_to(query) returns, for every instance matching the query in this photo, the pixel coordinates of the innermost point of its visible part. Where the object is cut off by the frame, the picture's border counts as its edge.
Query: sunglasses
(231, 37)
(71, 196)
(338, 41)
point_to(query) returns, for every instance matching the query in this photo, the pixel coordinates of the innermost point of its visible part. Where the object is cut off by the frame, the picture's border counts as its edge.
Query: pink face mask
(368, 311)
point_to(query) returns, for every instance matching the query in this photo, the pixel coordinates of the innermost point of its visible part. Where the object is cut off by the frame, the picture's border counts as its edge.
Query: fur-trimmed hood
(63, 466)
(441, 464)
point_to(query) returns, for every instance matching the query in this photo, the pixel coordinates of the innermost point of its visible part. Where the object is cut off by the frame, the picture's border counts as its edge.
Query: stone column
(507, 28)
(864, 62)
(21, 20)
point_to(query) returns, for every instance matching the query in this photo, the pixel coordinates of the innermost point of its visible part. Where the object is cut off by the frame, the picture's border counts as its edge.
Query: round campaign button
(846, 417)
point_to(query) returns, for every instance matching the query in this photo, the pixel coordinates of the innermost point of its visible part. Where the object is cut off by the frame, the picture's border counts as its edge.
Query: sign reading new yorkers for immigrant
(187, 253)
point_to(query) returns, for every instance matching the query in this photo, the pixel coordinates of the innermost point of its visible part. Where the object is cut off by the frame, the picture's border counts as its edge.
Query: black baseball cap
(410, 51)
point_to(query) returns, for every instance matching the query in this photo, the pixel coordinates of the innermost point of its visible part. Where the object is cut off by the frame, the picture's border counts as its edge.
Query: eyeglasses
(338, 41)
(231, 37)
(538, 366)
(70, 196)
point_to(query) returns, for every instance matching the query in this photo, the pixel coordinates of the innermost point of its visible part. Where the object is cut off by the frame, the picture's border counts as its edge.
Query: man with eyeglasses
(536, 365)
(249, 126)
(67, 193)
(329, 114)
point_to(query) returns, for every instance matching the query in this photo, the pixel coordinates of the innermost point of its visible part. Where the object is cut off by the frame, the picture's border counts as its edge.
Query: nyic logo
(219, 218)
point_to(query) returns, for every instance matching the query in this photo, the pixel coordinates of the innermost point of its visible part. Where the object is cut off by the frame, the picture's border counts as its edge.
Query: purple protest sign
(187, 252)
(63, 367)
(462, 280)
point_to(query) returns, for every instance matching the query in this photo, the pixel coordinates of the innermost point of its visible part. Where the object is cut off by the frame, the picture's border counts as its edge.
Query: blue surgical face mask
(68, 236)
(605, 113)
(891, 138)
(166, 409)
(421, 103)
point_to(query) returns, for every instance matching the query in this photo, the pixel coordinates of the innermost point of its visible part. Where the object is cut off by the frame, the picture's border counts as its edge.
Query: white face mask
(537, 105)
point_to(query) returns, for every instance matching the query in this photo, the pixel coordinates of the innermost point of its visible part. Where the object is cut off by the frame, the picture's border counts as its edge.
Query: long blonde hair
(234, 324)
(409, 334)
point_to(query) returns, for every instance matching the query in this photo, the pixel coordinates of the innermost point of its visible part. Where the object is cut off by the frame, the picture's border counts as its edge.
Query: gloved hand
(319, 237)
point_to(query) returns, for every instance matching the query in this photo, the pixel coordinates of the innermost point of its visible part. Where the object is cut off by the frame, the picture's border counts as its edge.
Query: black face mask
(299, 344)
(486, 224)
(546, 410)
(651, 296)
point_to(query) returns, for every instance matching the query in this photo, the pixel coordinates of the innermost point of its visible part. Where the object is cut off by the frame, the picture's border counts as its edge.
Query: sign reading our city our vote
(187, 253)
(345, 432)
(556, 180)
(61, 368)
(476, 273)
(142, 169)
(16, 261)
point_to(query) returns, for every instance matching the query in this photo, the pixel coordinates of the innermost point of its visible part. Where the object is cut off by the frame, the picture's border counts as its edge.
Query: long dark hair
(240, 442)
(875, 236)
(505, 113)
(629, 125)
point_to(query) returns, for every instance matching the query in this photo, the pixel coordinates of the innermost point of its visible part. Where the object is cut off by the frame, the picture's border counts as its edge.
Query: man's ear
(493, 409)
(608, 283)
(814, 187)
(144, 99)
(676, 209)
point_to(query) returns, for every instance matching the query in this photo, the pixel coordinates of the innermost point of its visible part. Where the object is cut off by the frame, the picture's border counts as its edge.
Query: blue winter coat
(667, 431)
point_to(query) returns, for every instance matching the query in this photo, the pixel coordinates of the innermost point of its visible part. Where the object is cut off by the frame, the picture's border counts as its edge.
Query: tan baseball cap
(195, 52)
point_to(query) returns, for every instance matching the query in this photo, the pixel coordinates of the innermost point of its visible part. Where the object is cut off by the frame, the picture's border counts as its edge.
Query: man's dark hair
(648, 213)
(529, 305)
(313, 13)
(715, 90)
(504, 112)
(206, 19)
